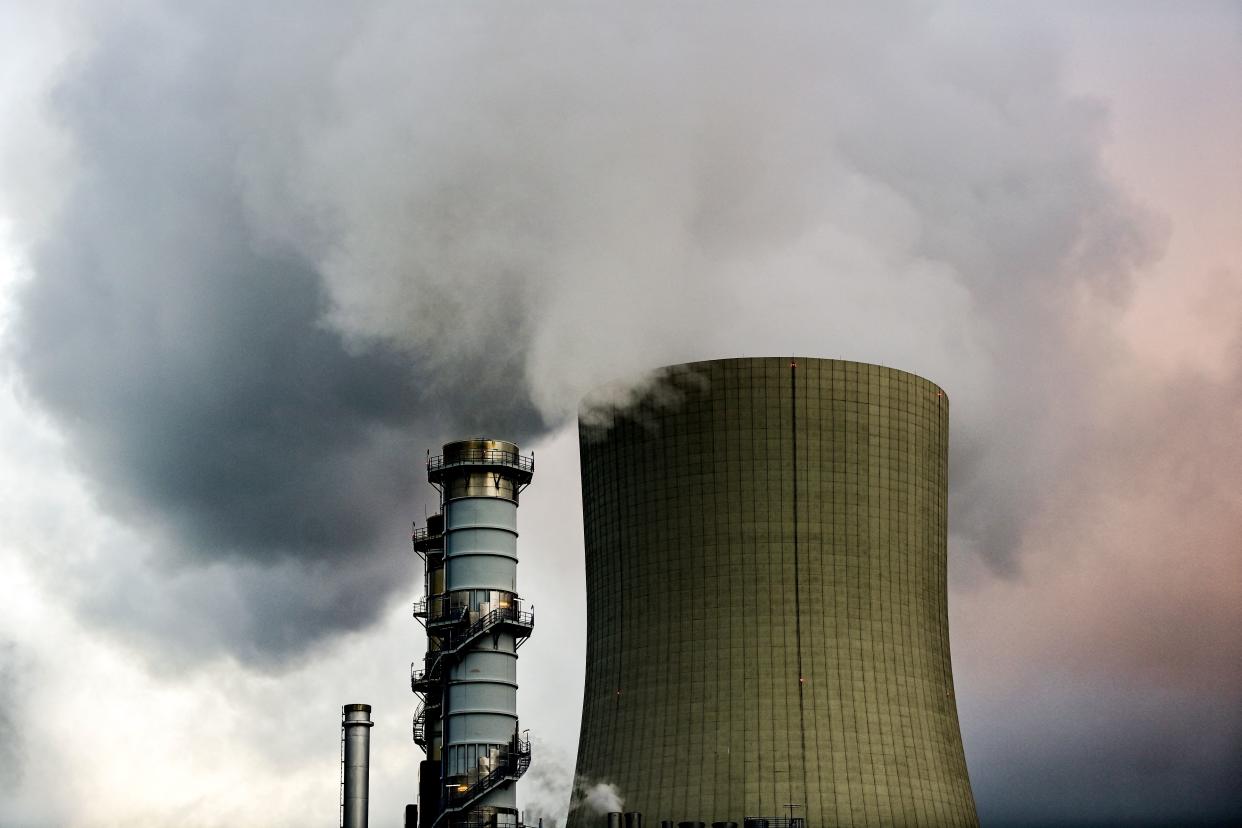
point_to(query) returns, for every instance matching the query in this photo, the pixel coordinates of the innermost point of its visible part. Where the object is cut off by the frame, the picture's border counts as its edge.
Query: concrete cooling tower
(768, 640)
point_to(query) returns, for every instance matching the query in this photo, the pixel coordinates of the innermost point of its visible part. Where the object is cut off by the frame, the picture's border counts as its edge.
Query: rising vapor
(300, 245)
(279, 250)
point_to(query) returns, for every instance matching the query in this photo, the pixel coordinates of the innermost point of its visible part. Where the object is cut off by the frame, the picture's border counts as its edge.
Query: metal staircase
(511, 618)
(513, 763)
(420, 726)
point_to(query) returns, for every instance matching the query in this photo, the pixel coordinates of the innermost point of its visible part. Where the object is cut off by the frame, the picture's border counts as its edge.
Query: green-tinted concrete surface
(766, 598)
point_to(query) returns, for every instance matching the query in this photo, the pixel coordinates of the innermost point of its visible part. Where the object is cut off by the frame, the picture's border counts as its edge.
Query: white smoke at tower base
(601, 797)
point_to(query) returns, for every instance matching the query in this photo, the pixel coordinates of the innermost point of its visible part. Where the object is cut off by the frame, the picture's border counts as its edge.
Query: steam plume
(601, 798)
(292, 257)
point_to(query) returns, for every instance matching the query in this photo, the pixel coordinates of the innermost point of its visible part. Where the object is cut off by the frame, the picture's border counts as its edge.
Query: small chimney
(355, 764)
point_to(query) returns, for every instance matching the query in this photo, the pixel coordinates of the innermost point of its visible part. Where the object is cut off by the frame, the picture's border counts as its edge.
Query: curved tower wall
(766, 598)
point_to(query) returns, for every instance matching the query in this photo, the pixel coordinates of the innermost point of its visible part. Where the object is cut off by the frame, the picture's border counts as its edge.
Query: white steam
(601, 798)
(536, 204)
(593, 194)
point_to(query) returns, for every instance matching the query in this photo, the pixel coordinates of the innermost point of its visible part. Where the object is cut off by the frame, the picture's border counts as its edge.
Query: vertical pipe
(428, 792)
(356, 723)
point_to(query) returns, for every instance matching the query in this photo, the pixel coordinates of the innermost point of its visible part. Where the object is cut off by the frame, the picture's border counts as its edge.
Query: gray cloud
(10, 736)
(1110, 691)
(187, 359)
(300, 244)
(902, 185)
(303, 243)
(1109, 754)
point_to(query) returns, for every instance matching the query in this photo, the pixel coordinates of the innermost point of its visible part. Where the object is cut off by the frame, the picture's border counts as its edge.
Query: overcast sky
(257, 259)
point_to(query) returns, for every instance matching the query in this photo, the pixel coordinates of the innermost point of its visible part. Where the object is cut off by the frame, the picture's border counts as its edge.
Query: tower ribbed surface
(766, 582)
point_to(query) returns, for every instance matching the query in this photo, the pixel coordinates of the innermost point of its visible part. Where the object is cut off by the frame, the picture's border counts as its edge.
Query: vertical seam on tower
(751, 382)
(793, 404)
(617, 596)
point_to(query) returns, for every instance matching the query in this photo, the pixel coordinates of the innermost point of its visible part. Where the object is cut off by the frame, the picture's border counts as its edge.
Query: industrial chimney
(766, 598)
(467, 721)
(355, 764)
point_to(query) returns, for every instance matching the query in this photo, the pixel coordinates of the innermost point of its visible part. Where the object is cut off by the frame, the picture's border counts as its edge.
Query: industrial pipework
(355, 764)
(467, 721)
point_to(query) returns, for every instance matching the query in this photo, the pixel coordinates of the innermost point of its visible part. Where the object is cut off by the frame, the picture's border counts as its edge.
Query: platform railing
(482, 457)
(459, 639)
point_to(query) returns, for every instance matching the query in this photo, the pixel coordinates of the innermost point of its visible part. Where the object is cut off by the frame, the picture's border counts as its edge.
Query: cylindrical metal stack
(766, 597)
(356, 764)
(475, 624)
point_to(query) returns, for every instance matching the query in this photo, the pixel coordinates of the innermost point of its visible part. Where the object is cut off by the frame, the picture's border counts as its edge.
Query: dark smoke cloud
(299, 244)
(1110, 754)
(1111, 691)
(187, 358)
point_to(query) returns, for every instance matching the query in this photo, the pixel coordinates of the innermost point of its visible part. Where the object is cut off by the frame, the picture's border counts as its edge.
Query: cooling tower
(766, 599)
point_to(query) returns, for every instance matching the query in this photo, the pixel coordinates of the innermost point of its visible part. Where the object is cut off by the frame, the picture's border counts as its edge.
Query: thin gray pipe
(356, 722)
